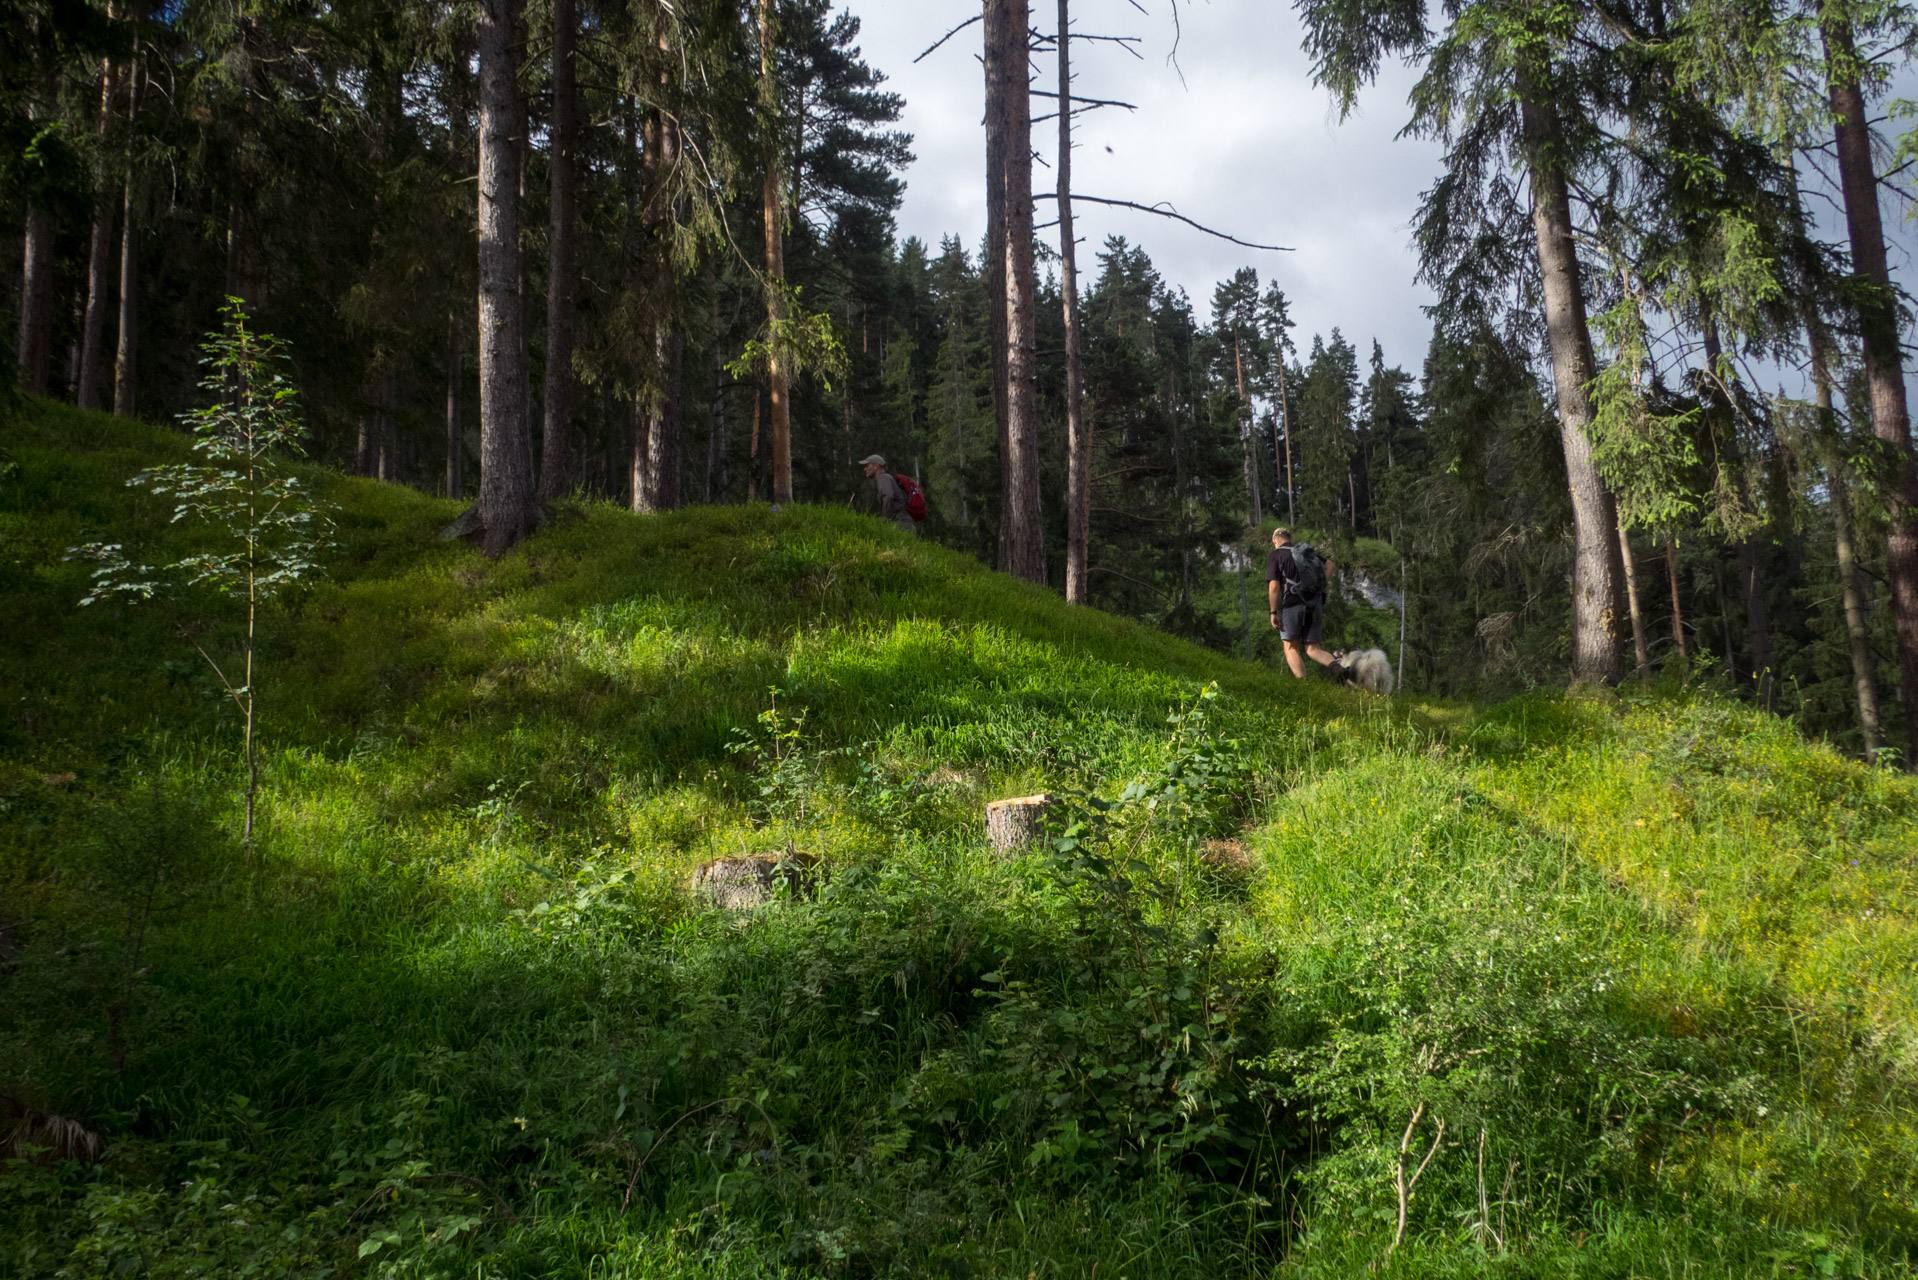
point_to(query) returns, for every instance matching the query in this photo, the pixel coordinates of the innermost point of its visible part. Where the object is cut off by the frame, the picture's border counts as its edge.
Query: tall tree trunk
(126, 355)
(1285, 426)
(1078, 436)
(455, 430)
(638, 474)
(506, 446)
(33, 351)
(716, 436)
(1595, 565)
(1639, 648)
(556, 472)
(993, 268)
(1009, 115)
(664, 423)
(1751, 579)
(1247, 442)
(99, 258)
(1671, 576)
(1884, 369)
(1838, 484)
(775, 218)
(1863, 680)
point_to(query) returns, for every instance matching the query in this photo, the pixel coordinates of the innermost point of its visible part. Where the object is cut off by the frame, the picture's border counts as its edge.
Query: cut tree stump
(1015, 823)
(753, 880)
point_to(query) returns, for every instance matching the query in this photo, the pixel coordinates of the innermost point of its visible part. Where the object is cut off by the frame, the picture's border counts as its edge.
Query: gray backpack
(1308, 569)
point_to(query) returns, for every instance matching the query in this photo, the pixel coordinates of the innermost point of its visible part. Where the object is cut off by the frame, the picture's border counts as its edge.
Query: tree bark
(506, 447)
(1247, 443)
(1863, 670)
(1595, 565)
(1884, 371)
(126, 357)
(1639, 649)
(1751, 581)
(455, 429)
(33, 351)
(1678, 617)
(658, 470)
(1009, 116)
(1285, 426)
(99, 255)
(780, 420)
(556, 473)
(1078, 437)
(716, 437)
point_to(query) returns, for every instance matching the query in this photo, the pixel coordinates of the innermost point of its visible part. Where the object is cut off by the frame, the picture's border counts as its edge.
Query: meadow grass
(1649, 956)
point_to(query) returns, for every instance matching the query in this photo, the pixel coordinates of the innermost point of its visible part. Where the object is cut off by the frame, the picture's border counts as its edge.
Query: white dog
(1369, 669)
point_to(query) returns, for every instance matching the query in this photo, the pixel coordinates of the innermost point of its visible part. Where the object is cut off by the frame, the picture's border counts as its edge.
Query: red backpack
(915, 498)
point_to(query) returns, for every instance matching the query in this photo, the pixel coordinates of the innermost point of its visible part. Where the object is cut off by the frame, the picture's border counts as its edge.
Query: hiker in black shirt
(1295, 582)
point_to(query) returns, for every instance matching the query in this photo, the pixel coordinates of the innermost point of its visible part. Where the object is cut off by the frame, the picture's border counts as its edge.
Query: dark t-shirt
(1279, 568)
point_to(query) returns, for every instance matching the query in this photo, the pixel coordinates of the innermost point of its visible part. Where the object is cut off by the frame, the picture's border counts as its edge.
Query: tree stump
(1014, 823)
(753, 880)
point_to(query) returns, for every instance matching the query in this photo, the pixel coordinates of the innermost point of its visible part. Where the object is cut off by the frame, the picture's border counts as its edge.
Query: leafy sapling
(268, 529)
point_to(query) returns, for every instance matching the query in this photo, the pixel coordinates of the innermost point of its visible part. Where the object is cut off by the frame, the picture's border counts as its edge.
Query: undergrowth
(1297, 982)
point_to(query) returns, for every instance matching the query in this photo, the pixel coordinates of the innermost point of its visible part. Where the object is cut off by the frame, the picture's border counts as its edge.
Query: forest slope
(1650, 959)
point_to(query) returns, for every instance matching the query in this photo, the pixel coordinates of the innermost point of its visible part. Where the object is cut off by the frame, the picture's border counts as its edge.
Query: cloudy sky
(1243, 142)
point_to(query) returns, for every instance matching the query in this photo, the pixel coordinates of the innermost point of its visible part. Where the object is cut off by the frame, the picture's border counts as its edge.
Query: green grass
(1650, 958)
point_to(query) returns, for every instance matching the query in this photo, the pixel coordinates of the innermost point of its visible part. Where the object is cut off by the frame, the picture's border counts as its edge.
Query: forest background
(320, 162)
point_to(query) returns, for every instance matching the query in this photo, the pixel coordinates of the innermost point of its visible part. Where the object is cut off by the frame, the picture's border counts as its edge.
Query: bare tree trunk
(506, 446)
(557, 467)
(775, 217)
(993, 267)
(1862, 674)
(752, 452)
(126, 358)
(638, 474)
(455, 430)
(33, 351)
(716, 437)
(1595, 656)
(1751, 582)
(1639, 648)
(1285, 425)
(1078, 436)
(1884, 371)
(1757, 621)
(1248, 445)
(1678, 617)
(99, 255)
(659, 475)
(1009, 115)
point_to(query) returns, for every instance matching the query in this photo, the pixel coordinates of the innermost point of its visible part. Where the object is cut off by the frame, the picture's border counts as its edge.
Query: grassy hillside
(1649, 959)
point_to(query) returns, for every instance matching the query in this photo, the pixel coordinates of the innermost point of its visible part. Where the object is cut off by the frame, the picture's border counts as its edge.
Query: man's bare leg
(1296, 653)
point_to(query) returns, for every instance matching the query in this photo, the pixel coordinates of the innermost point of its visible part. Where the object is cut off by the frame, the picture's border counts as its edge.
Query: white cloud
(1244, 142)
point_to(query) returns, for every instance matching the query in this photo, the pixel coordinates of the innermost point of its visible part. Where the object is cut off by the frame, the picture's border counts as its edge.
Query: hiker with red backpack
(900, 498)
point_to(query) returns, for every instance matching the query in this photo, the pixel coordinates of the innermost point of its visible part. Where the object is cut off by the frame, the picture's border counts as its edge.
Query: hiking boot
(1338, 673)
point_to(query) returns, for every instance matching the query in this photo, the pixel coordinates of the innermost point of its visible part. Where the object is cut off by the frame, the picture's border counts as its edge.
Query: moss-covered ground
(1628, 983)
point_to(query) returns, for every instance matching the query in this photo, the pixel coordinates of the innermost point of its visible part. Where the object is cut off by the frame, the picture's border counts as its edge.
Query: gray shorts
(1305, 622)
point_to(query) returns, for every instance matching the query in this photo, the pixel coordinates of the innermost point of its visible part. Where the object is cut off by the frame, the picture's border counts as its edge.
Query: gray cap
(870, 460)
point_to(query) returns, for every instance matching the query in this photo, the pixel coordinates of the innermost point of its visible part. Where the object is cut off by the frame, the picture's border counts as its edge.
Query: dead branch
(1167, 212)
(949, 35)
(1096, 102)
